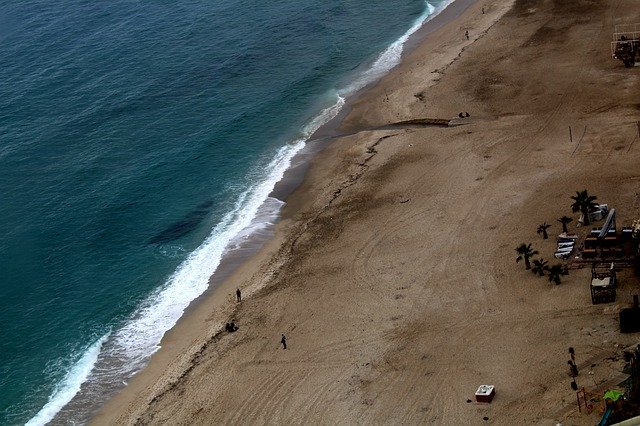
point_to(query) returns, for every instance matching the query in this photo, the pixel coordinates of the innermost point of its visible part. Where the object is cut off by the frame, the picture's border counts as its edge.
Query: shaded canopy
(613, 395)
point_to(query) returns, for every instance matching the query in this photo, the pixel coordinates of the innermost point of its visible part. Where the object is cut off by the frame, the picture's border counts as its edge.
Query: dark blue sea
(139, 142)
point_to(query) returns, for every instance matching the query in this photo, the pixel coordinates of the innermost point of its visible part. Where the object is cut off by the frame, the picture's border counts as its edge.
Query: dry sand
(393, 272)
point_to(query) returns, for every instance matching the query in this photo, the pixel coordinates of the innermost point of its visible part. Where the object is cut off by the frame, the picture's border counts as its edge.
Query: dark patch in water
(184, 225)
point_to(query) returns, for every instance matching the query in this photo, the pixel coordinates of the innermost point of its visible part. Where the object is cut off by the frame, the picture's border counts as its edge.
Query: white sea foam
(70, 384)
(266, 216)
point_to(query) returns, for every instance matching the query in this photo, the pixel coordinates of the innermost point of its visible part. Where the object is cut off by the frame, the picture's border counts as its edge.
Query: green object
(613, 395)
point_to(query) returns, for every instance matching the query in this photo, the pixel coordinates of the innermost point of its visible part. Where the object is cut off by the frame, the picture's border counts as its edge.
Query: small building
(603, 283)
(485, 393)
(626, 44)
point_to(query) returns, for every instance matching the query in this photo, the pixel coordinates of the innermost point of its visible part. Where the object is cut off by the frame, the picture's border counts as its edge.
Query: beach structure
(485, 393)
(609, 225)
(604, 241)
(584, 400)
(603, 283)
(626, 44)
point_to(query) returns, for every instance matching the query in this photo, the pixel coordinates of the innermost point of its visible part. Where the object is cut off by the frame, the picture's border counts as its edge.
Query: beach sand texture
(393, 271)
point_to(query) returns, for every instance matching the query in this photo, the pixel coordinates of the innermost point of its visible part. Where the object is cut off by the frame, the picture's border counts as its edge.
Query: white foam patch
(266, 216)
(70, 384)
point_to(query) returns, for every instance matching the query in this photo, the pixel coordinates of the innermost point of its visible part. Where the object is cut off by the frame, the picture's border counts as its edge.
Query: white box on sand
(485, 393)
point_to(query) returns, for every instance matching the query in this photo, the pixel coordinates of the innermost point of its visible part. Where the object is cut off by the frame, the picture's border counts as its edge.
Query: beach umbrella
(613, 395)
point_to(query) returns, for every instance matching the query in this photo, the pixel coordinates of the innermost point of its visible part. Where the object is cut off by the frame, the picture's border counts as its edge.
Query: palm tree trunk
(527, 264)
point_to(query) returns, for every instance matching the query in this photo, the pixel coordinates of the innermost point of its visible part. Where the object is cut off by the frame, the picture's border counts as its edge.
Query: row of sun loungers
(566, 244)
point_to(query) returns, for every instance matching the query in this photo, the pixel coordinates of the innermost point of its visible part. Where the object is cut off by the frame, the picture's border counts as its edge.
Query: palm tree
(539, 267)
(584, 203)
(556, 271)
(565, 220)
(525, 252)
(542, 229)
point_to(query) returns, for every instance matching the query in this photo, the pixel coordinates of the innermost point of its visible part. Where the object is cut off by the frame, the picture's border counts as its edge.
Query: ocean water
(139, 143)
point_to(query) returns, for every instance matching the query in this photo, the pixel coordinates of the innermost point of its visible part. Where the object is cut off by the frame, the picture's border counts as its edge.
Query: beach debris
(438, 122)
(405, 200)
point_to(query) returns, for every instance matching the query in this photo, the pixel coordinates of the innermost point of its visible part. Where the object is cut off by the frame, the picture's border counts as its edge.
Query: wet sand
(393, 272)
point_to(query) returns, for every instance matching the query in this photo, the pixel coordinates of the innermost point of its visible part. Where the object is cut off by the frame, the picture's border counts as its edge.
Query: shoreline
(221, 288)
(484, 155)
(245, 250)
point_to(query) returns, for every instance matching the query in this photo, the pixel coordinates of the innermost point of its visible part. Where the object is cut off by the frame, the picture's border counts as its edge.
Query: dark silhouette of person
(461, 115)
(466, 34)
(573, 367)
(231, 327)
(466, 114)
(284, 342)
(238, 295)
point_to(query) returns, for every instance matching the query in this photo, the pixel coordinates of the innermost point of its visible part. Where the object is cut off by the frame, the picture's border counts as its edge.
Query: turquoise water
(139, 141)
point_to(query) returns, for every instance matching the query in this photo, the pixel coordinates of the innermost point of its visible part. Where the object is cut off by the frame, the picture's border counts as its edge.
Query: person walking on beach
(238, 296)
(284, 342)
(466, 34)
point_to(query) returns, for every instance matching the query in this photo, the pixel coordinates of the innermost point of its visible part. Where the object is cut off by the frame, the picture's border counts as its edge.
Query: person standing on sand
(466, 34)
(284, 342)
(238, 296)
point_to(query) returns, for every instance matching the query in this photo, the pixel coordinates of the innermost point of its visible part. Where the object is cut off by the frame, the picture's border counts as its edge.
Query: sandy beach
(393, 272)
